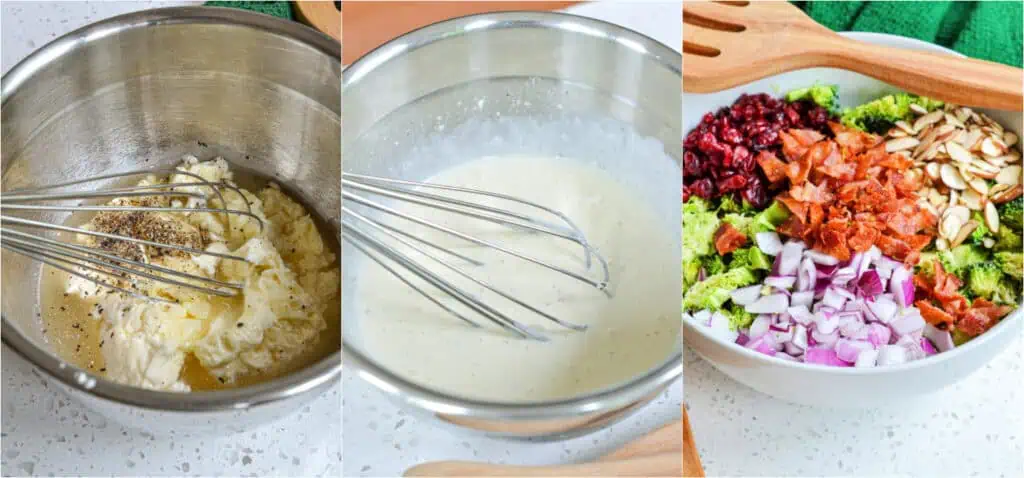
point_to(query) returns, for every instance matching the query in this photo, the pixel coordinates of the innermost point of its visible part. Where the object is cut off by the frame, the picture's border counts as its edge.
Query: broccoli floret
(740, 222)
(714, 291)
(960, 338)
(980, 233)
(1008, 292)
(691, 269)
(880, 115)
(769, 219)
(750, 257)
(712, 264)
(1008, 240)
(729, 205)
(699, 226)
(958, 259)
(1011, 263)
(739, 318)
(983, 279)
(826, 96)
(1012, 214)
(925, 264)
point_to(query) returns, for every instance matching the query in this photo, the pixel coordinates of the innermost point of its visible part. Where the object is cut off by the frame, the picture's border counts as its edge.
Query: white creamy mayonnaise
(634, 330)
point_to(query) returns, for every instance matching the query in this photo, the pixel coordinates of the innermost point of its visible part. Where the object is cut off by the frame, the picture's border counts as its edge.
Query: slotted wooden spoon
(727, 44)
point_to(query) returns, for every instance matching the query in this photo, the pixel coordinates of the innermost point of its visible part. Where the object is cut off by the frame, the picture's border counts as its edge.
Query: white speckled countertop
(972, 428)
(44, 433)
(382, 440)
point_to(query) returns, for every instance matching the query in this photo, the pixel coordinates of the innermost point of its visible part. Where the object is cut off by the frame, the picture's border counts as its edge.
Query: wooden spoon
(658, 453)
(726, 44)
(321, 15)
(368, 25)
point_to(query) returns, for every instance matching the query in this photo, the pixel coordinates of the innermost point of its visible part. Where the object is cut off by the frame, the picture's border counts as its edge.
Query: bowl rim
(313, 377)
(602, 400)
(1003, 326)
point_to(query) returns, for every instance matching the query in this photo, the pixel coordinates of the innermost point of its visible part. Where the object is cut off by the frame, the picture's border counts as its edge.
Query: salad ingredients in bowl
(872, 236)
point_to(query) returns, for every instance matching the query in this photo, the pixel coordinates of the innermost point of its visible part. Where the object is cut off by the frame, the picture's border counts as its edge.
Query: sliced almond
(972, 139)
(998, 188)
(964, 232)
(957, 152)
(989, 147)
(1009, 175)
(941, 244)
(978, 185)
(961, 213)
(1008, 195)
(945, 133)
(897, 133)
(950, 119)
(932, 169)
(962, 114)
(988, 242)
(972, 199)
(916, 108)
(991, 217)
(951, 177)
(981, 173)
(928, 119)
(954, 197)
(901, 144)
(1009, 138)
(903, 125)
(950, 226)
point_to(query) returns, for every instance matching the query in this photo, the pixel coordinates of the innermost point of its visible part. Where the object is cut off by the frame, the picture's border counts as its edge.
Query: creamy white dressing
(629, 333)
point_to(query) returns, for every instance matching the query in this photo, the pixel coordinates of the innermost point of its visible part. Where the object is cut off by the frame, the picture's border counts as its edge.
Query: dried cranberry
(719, 153)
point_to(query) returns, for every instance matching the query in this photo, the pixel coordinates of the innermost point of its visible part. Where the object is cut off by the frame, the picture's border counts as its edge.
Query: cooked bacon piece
(811, 193)
(893, 247)
(853, 141)
(796, 142)
(973, 322)
(728, 239)
(863, 237)
(815, 216)
(799, 169)
(934, 315)
(827, 160)
(833, 239)
(793, 227)
(773, 167)
(796, 208)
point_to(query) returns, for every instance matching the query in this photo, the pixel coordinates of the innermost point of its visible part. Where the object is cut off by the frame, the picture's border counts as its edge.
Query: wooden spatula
(659, 453)
(726, 44)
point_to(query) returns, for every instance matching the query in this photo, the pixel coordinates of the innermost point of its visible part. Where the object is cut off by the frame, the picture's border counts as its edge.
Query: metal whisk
(367, 235)
(95, 263)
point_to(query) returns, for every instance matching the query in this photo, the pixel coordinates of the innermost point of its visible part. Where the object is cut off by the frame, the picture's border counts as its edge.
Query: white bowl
(831, 386)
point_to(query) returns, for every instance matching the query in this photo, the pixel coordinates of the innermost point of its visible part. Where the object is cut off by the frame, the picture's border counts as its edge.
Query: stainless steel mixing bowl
(137, 91)
(538, 65)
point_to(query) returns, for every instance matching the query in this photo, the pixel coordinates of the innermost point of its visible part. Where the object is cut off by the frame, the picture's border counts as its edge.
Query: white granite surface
(46, 434)
(382, 440)
(972, 428)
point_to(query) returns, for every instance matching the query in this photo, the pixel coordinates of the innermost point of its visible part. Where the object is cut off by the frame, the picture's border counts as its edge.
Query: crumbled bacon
(728, 239)
(847, 194)
(954, 312)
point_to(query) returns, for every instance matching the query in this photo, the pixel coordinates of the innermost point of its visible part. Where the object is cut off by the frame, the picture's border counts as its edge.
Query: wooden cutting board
(367, 25)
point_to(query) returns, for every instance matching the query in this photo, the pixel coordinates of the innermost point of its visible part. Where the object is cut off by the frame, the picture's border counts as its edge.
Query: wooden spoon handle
(661, 465)
(964, 81)
(692, 467)
(668, 438)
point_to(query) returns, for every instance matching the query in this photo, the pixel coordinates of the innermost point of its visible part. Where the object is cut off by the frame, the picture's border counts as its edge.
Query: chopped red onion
(834, 298)
(807, 276)
(929, 349)
(883, 309)
(746, 295)
(870, 284)
(760, 326)
(824, 356)
(867, 358)
(891, 355)
(765, 344)
(825, 272)
(786, 356)
(769, 304)
(849, 350)
(829, 339)
(769, 243)
(804, 298)
(821, 258)
(907, 324)
(791, 255)
(800, 314)
(901, 285)
(780, 282)
(942, 339)
(878, 334)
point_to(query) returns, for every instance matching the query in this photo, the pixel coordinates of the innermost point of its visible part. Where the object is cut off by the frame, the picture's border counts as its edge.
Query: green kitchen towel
(277, 9)
(989, 30)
